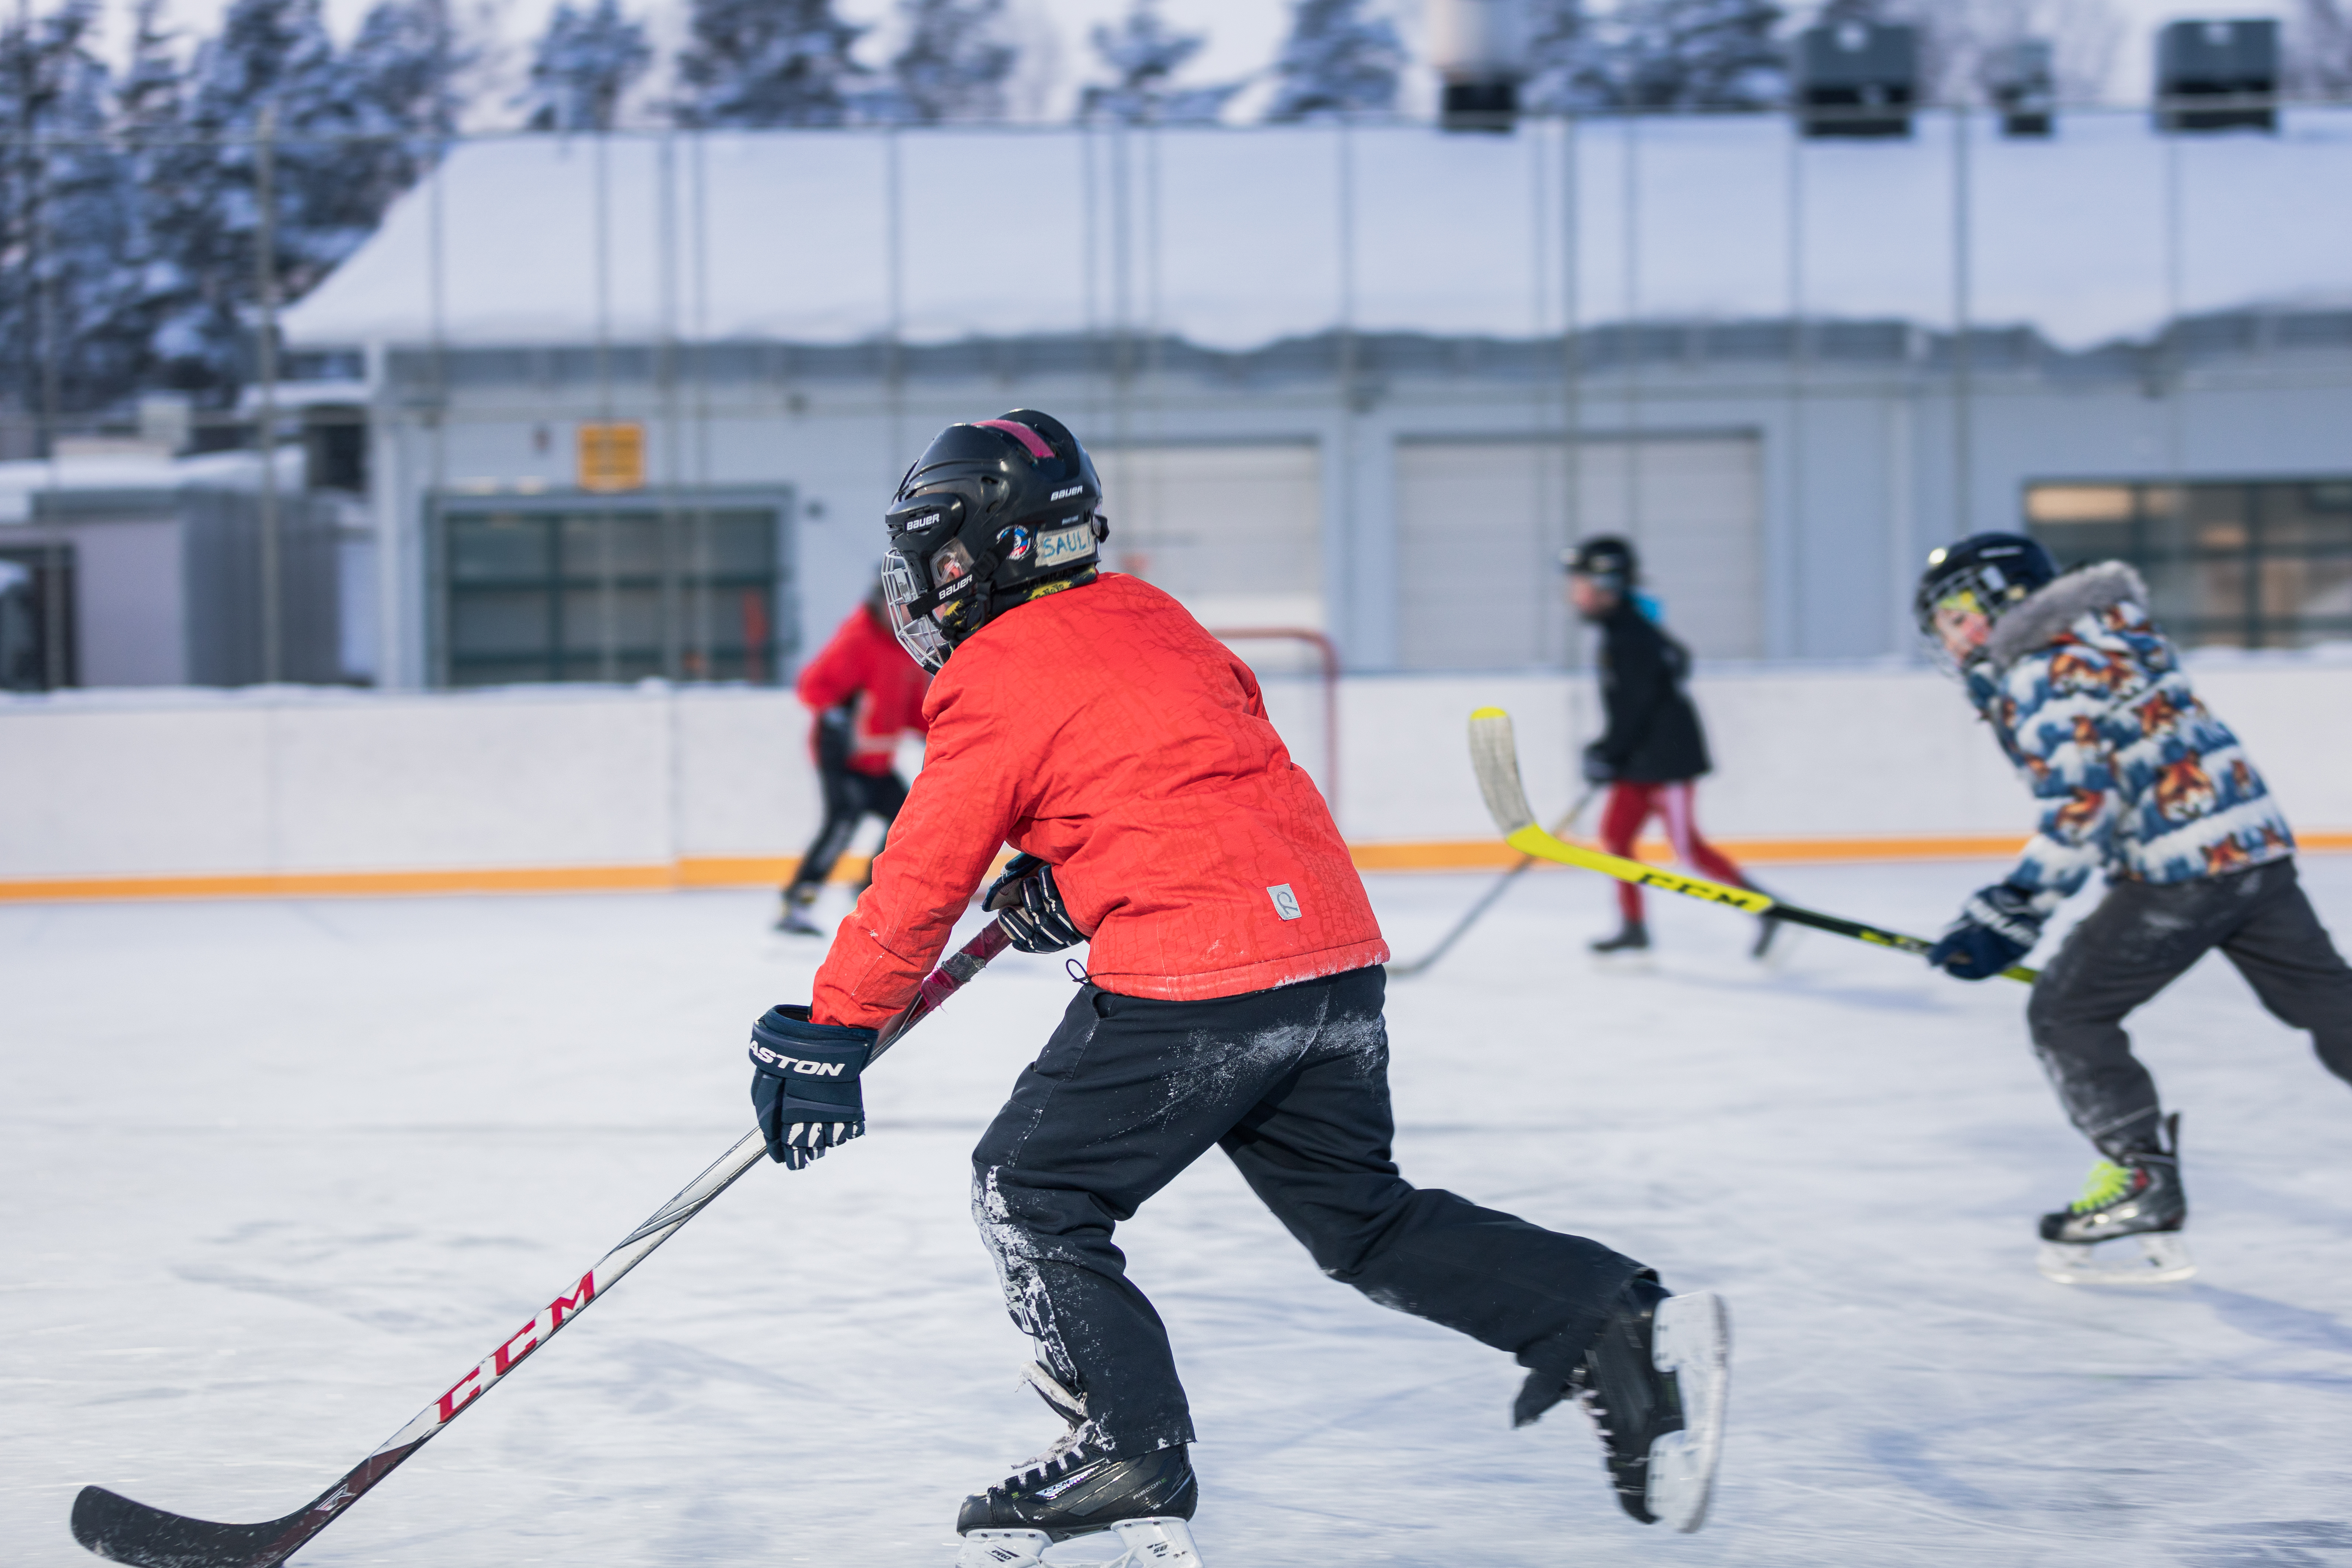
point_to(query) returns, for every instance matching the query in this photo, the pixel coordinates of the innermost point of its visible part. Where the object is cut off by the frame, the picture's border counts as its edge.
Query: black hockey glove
(1997, 926)
(1033, 914)
(1598, 769)
(805, 1084)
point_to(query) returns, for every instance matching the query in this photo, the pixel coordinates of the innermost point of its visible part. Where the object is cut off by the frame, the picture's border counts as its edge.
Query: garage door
(1481, 525)
(1236, 531)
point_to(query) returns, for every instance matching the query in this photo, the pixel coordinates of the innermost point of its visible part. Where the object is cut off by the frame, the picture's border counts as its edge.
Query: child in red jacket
(866, 693)
(1233, 999)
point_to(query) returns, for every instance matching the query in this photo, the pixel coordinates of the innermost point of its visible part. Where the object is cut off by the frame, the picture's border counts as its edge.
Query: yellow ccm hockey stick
(1495, 754)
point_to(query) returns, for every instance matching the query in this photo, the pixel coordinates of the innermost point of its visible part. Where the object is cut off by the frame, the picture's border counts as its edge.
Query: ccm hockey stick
(125, 1531)
(1487, 900)
(1496, 755)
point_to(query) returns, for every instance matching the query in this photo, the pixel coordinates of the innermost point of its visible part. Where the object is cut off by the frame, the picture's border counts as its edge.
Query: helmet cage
(919, 635)
(1987, 576)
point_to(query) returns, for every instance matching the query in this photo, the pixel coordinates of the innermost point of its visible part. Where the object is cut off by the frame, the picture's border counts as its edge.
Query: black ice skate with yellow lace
(2137, 1195)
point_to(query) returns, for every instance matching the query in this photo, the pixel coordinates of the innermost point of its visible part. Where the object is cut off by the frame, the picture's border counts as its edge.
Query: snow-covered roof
(1234, 237)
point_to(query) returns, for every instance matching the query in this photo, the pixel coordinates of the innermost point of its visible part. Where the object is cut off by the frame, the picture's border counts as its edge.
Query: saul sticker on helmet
(1062, 546)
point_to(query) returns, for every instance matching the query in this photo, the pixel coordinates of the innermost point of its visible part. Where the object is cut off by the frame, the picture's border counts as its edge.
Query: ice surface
(274, 1174)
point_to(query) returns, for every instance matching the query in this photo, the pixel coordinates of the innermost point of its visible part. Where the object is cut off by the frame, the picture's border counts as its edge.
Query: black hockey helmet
(1987, 573)
(991, 514)
(1605, 558)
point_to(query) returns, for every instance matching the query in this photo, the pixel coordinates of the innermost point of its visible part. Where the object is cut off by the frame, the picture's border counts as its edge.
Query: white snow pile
(1234, 238)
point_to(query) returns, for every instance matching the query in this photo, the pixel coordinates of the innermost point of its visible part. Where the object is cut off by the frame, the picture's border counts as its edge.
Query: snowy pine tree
(276, 55)
(67, 303)
(1145, 52)
(582, 66)
(954, 63)
(767, 62)
(2319, 48)
(1566, 61)
(399, 70)
(1337, 61)
(1686, 54)
(147, 99)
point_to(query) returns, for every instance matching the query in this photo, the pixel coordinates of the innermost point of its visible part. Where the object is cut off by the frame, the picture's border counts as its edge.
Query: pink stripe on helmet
(1021, 433)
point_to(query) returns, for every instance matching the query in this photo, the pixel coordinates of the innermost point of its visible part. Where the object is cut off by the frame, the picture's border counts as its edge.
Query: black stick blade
(124, 1531)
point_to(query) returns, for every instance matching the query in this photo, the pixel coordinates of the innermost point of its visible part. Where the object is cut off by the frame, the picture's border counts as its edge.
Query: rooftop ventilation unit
(2021, 82)
(2234, 60)
(1479, 47)
(1857, 79)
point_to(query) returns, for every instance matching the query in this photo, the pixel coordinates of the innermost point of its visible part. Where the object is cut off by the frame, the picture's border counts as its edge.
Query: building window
(536, 592)
(2262, 563)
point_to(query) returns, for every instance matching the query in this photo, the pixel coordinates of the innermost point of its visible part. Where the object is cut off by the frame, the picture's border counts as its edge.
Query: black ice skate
(2139, 1199)
(795, 921)
(1633, 937)
(1654, 1382)
(1079, 1486)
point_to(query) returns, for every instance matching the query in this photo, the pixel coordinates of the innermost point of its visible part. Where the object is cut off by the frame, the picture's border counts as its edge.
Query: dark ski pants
(1293, 1085)
(2139, 939)
(850, 797)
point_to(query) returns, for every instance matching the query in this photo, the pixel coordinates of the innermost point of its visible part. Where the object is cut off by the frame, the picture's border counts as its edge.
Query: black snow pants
(2139, 939)
(850, 797)
(1291, 1083)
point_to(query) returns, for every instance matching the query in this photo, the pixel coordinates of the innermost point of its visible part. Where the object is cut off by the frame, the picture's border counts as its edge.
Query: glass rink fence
(1336, 373)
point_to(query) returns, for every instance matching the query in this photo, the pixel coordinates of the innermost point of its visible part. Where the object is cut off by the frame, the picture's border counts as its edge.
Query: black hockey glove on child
(805, 1084)
(1030, 907)
(1997, 926)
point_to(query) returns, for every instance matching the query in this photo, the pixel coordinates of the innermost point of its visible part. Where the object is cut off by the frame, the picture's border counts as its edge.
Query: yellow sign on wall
(612, 456)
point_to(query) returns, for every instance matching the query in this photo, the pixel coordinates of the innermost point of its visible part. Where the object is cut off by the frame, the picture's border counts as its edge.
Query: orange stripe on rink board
(735, 871)
(766, 870)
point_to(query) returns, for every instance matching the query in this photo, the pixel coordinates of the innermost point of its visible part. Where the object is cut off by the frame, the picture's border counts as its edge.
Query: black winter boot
(1633, 937)
(795, 920)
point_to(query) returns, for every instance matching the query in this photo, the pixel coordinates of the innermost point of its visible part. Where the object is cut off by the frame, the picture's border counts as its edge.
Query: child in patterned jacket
(2138, 778)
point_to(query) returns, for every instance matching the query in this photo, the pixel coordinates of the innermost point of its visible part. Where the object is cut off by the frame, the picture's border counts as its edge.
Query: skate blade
(1003, 1548)
(1785, 943)
(1693, 1341)
(1155, 1542)
(2162, 1259)
(1637, 963)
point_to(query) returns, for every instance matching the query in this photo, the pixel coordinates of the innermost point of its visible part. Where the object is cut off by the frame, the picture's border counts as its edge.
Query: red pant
(1631, 804)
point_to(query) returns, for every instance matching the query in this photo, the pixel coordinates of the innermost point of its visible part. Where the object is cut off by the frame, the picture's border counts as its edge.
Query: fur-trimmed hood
(2038, 619)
